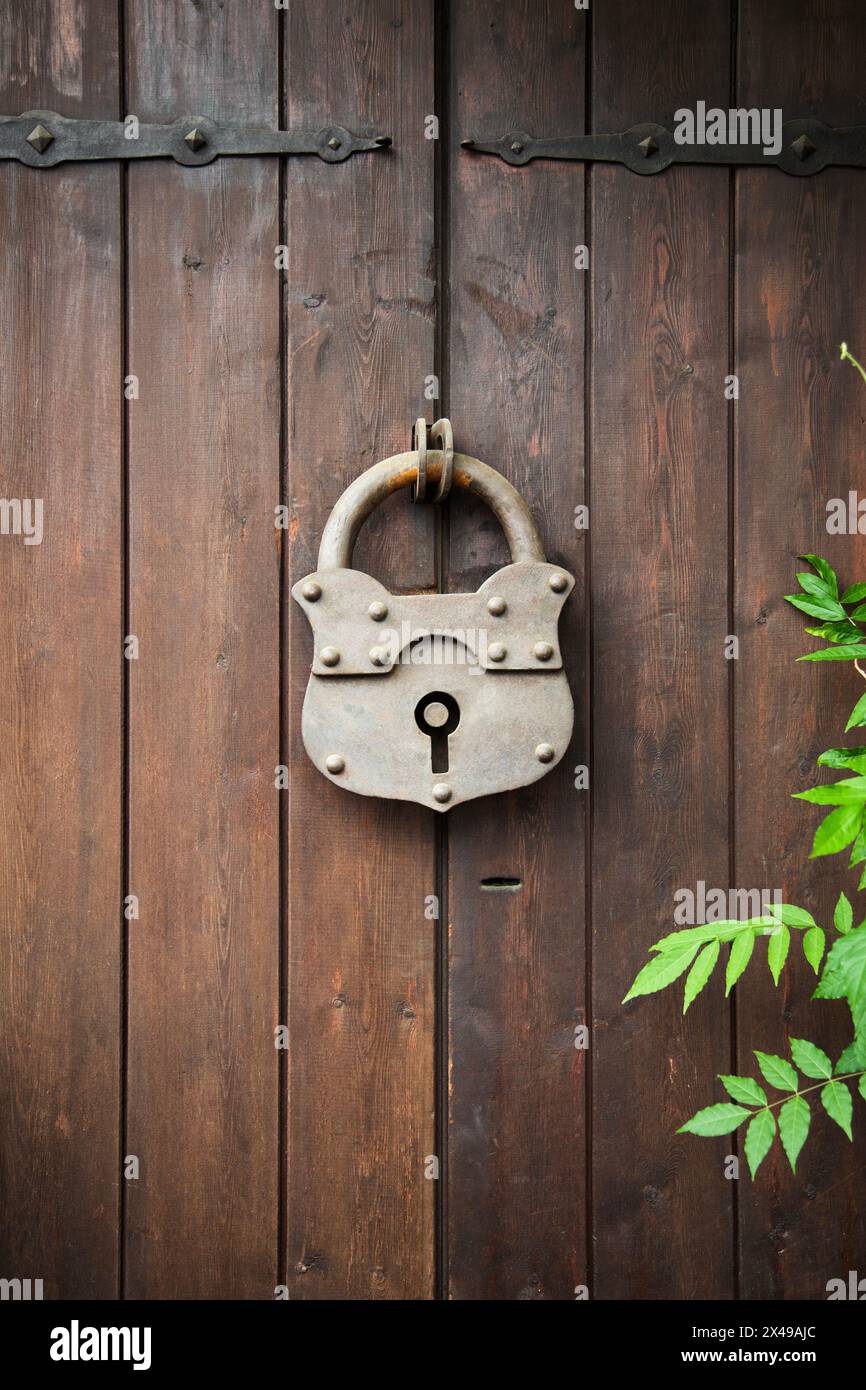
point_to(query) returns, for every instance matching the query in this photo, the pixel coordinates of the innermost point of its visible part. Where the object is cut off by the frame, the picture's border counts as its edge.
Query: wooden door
(260, 1035)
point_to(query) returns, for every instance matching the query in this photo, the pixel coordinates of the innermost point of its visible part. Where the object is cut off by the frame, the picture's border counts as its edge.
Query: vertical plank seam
(589, 1249)
(282, 678)
(731, 605)
(125, 732)
(441, 1041)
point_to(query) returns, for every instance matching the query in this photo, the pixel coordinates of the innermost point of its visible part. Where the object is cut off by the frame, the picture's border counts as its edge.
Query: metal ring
(443, 432)
(389, 475)
(419, 444)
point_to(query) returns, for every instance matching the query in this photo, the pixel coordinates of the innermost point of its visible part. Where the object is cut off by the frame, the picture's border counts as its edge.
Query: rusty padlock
(435, 698)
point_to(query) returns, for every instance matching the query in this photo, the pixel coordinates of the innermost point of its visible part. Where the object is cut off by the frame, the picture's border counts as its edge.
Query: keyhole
(437, 715)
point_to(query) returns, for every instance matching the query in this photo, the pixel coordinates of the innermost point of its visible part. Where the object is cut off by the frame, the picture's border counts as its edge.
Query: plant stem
(849, 1075)
(846, 356)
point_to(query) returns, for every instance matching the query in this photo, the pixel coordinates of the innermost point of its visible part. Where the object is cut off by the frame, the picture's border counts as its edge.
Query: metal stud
(377, 611)
(195, 139)
(543, 651)
(516, 147)
(649, 146)
(803, 147)
(545, 753)
(333, 143)
(329, 656)
(40, 138)
(442, 792)
(497, 651)
(379, 656)
(335, 763)
(496, 606)
(311, 591)
(558, 583)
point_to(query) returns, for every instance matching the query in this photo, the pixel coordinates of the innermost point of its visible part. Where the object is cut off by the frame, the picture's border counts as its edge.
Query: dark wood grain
(204, 598)
(60, 924)
(360, 301)
(662, 1220)
(799, 442)
(516, 985)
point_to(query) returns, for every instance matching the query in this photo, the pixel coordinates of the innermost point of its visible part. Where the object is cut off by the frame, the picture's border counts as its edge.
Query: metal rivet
(496, 606)
(543, 651)
(516, 147)
(442, 792)
(379, 656)
(334, 763)
(497, 651)
(312, 591)
(436, 714)
(545, 753)
(648, 146)
(803, 147)
(377, 611)
(195, 139)
(558, 582)
(40, 138)
(333, 143)
(329, 656)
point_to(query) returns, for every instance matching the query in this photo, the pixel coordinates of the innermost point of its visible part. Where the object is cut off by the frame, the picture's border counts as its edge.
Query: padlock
(435, 698)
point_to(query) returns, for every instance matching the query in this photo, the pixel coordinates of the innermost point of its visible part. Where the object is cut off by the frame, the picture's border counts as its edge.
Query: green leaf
(792, 916)
(858, 851)
(853, 1058)
(861, 1086)
(813, 947)
(858, 714)
(700, 972)
(723, 1118)
(844, 793)
(696, 936)
(843, 915)
(854, 758)
(844, 975)
(777, 951)
(794, 1119)
(744, 1089)
(777, 1071)
(848, 651)
(759, 1139)
(741, 952)
(836, 1100)
(827, 573)
(811, 1060)
(661, 970)
(815, 585)
(854, 594)
(824, 607)
(859, 613)
(837, 830)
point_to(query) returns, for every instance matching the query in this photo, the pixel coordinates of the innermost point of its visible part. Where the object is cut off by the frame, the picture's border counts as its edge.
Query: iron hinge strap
(44, 138)
(806, 147)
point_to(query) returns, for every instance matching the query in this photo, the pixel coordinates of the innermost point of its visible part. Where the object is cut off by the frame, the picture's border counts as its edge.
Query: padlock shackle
(389, 475)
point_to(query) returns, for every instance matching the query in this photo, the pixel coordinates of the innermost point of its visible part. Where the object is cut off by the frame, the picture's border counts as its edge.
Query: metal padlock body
(378, 656)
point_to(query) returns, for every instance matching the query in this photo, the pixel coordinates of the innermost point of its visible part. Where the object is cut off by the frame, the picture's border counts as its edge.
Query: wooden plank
(799, 441)
(204, 599)
(662, 1217)
(60, 922)
(516, 984)
(361, 954)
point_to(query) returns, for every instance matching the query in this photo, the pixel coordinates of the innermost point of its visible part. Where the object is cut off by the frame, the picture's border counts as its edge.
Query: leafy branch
(695, 951)
(795, 1115)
